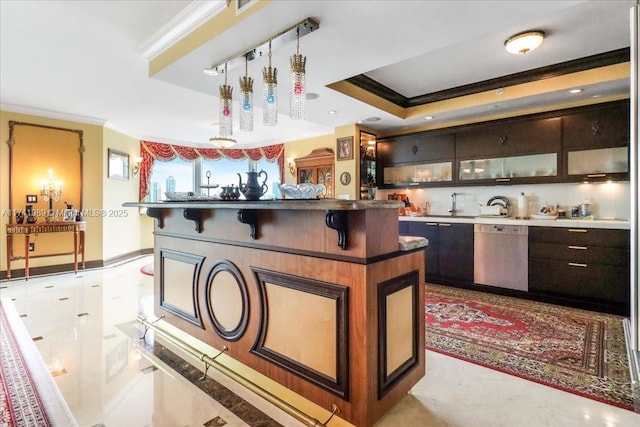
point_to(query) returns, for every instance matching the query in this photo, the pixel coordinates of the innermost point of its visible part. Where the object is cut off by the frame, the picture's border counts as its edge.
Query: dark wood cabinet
(416, 160)
(455, 252)
(317, 167)
(596, 143)
(581, 144)
(419, 148)
(449, 255)
(510, 138)
(581, 264)
(605, 125)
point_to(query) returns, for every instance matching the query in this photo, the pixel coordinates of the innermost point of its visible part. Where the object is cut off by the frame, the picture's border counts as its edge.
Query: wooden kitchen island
(316, 295)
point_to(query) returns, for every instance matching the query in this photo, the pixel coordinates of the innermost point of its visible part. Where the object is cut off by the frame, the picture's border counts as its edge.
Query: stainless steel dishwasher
(500, 255)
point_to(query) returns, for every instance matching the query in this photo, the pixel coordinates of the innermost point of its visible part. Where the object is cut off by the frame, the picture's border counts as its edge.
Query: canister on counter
(575, 212)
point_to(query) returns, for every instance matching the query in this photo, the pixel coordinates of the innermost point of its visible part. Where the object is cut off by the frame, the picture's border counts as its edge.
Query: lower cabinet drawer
(592, 281)
(580, 253)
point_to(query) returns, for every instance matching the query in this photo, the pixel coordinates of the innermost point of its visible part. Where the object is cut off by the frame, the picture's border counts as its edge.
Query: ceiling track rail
(305, 27)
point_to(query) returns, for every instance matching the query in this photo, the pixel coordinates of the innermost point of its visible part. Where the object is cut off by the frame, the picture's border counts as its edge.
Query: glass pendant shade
(246, 104)
(226, 112)
(270, 93)
(270, 112)
(297, 90)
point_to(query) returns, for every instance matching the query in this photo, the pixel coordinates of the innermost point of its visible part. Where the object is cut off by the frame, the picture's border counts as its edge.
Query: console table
(77, 228)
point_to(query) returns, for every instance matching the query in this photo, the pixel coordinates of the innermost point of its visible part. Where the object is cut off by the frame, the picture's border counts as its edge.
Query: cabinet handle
(414, 183)
(577, 264)
(577, 230)
(503, 179)
(596, 175)
(583, 248)
(444, 224)
(431, 223)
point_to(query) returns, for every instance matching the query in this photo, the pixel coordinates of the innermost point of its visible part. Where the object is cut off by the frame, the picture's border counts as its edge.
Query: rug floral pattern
(578, 351)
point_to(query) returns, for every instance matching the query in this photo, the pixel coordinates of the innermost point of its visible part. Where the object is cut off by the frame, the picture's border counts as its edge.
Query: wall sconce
(292, 166)
(136, 166)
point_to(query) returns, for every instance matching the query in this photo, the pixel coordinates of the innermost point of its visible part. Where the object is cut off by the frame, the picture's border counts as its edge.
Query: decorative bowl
(302, 191)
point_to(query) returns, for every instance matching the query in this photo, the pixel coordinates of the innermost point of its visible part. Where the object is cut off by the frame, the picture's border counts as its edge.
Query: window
(225, 172)
(178, 175)
(172, 176)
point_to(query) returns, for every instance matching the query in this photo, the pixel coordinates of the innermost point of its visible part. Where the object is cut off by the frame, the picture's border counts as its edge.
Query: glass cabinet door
(325, 178)
(418, 174)
(305, 176)
(599, 161)
(505, 168)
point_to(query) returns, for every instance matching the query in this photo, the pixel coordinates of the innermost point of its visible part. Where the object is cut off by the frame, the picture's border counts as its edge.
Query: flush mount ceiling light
(524, 42)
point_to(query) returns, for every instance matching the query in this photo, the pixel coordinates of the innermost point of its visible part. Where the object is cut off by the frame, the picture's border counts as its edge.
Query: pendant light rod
(280, 39)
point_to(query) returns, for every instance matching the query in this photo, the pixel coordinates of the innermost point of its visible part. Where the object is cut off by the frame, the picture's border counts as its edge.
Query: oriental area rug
(28, 393)
(578, 351)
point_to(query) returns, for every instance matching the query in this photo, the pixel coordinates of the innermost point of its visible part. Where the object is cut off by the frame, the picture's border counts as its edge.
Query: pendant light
(226, 112)
(297, 88)
(270, 89)
(224, 140)
(246, 100)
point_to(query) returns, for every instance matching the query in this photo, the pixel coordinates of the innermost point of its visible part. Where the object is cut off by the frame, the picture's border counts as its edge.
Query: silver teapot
(253, 189)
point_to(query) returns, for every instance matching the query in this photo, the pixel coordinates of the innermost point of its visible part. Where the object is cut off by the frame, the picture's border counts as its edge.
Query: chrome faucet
(452, 211)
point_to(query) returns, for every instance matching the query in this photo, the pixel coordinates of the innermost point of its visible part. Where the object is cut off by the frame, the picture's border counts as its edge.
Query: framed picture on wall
(68, 215)
(344, 148)
(118, 167)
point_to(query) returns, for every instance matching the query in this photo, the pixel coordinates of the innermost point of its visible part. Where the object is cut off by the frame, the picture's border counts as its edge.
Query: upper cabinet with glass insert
(510, 151)
(419, 159)
(506, 169)
(596, 142)
(585, 143)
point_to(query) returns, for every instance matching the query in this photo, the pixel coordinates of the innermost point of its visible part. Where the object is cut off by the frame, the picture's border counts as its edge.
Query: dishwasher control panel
(501, 228)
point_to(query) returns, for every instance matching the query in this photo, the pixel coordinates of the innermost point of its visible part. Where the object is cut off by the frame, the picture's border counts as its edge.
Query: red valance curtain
(152, 151)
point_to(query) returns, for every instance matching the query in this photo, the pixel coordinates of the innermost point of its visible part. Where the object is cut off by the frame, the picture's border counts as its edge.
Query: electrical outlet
(32, 247)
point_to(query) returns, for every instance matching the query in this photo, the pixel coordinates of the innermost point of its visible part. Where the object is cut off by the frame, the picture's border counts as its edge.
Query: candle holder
(52, 192)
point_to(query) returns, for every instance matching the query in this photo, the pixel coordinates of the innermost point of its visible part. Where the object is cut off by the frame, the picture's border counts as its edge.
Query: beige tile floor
(112, 381)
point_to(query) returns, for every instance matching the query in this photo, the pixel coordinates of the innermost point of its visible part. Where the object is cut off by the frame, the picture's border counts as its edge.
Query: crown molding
(189, 19)
(21, 109)
(582, 64)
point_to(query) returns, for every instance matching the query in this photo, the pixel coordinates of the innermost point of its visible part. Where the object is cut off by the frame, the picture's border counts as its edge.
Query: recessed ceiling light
(428, 117)
(524, 42)
(574, 91)
(372, 119)
(211, 71)
(311, 95)
(332, 111)
(360, 121)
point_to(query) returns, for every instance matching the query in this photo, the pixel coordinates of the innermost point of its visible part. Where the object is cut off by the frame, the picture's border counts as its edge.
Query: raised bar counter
(315, 295)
